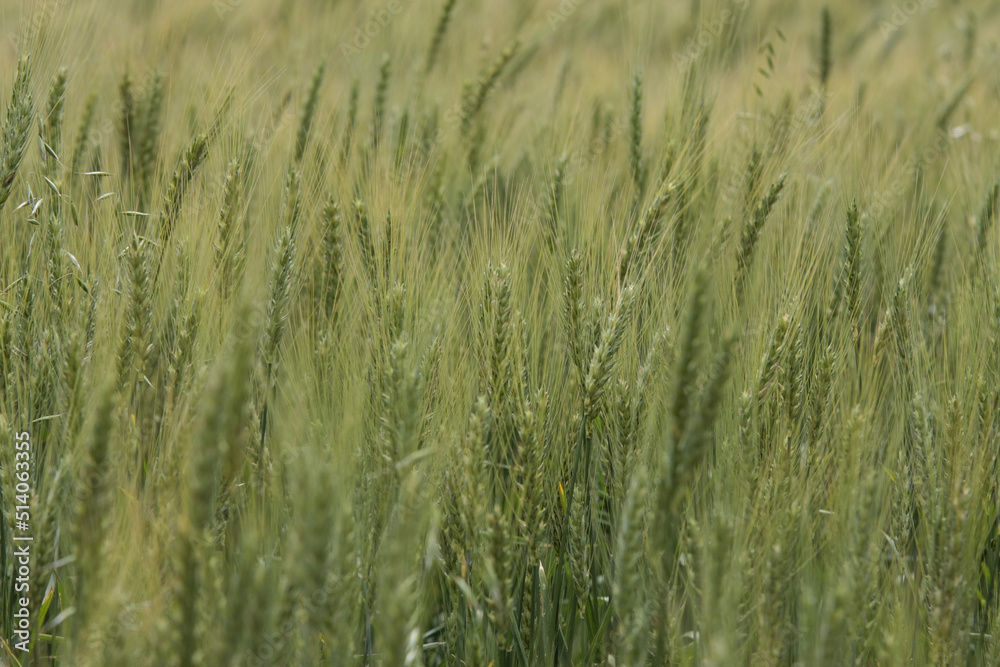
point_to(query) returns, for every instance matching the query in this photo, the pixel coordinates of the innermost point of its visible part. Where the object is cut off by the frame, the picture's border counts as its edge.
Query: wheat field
(510, 334)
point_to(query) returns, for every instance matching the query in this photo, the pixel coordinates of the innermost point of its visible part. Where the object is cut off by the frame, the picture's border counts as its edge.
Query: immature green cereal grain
(16, 125)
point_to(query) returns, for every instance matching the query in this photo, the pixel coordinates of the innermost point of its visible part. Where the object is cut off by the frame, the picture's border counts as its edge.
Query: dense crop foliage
(453, 332)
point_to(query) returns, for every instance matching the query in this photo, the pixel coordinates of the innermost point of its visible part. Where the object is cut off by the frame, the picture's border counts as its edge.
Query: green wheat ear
(825, 38)
(554, 202)
(280, 287)
(852, 264)
(686, 365)
(752, 227)
(308, 110)
(94, 509)
(987, 217)
(137, 339)
(644, 237)
(16, 125)
(332, 257)
(126, 123)
(352, 119)
(378, 112)
(367, 243)
(630, 595)
(282, 273)
(147, 134)
(636, 165)
(442, 26)
(950, 105)
(693, 448)
(573, 312)
(476, 93)
(173, 196)
(604, 358)
(50, 125)
(81, 144)
(230, 247)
